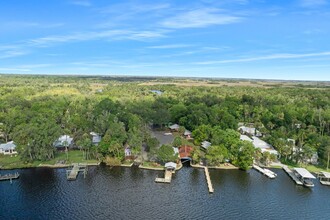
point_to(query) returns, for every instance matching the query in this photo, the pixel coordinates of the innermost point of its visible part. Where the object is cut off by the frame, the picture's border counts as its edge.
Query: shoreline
(230, 167)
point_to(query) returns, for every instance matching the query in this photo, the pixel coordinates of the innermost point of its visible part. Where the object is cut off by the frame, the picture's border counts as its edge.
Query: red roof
(185, 151)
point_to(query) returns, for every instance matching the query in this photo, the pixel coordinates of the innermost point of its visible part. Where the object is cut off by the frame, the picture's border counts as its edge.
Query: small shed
(170, 166)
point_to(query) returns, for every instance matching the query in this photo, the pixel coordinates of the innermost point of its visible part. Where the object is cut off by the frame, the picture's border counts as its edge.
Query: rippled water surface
(131, 193)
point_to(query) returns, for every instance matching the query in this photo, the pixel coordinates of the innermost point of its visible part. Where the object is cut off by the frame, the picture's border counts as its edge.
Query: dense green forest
(36, 110)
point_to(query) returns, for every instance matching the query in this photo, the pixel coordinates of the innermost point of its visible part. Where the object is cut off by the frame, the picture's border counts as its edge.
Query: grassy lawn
(12, 162)
(309, 167)
(151, 164)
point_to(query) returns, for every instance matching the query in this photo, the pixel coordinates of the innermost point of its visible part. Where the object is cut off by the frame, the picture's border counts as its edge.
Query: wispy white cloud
(267, 57)
(84, 3)
(12, 53)
(199, 18)
(169, 46)
(312, 3)
(96, 35)
(28, 24)
(7, 70)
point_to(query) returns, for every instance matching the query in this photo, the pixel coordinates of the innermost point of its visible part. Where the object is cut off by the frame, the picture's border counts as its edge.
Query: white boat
(270, 173)
(168, 133)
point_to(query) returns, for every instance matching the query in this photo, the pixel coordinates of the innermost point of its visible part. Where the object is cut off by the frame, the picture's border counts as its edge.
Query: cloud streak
(199, 18)
(169, 46)
(312, 3)
(267, 57)
(83, 3)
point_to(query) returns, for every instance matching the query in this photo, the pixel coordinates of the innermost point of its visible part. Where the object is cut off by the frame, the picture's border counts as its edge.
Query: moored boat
(305, 176)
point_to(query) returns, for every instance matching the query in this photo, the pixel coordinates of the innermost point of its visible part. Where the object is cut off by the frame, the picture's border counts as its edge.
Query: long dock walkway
(266, 172)
(208, 179)
(292, 175)
(73, 173)
(167, 179)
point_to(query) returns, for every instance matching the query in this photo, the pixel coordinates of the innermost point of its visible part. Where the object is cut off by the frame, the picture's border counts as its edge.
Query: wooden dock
(9, 176)
(292, 175)
(266, 172)
(208, 180)
(167, 177)
(72, 173)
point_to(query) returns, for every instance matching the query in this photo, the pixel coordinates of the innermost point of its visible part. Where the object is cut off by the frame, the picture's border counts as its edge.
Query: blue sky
(282, 39)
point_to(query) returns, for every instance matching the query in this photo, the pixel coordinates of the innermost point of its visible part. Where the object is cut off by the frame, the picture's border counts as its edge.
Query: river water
(131, 193)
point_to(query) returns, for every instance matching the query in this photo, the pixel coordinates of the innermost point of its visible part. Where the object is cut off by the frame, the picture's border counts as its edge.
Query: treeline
(35, 111)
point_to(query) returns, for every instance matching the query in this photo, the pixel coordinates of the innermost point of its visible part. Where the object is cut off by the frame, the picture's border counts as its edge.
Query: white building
(264, 146)
(63, 141)
(8, 148)
(249, 131)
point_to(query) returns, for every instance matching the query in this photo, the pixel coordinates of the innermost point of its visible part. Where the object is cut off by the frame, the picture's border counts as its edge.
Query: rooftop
(304, 173)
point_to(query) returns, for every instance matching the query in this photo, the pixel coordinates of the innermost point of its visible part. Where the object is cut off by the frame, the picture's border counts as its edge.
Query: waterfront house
(8, 148)
(174, 127)
(205, 144)
(63, 142)
(185, 152)
(264, 146)
(96, 138)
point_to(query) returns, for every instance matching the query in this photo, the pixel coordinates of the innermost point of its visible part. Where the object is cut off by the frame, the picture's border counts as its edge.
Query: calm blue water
(130, 193)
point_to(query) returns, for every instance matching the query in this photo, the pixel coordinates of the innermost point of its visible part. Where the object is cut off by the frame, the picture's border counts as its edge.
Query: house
(251, 131)
(205, 144)
(244, 137)
(8, 148)
(258, 143)
(185, 152)
(96, 138)
(63, 142)
(187, 134)
(174, 127)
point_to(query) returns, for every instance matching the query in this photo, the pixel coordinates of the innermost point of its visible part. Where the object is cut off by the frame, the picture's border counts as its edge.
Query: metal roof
(245, 138)
(304, 173)
(326, 174)
(8, 146)
(170, 164)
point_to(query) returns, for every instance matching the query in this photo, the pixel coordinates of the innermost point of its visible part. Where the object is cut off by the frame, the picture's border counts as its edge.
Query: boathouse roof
(304, 173)
(170, 165)
(326, 174)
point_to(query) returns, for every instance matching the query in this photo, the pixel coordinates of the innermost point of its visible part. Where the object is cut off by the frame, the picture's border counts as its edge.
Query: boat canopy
(170, 165)
(304, 173)
(326, 174)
